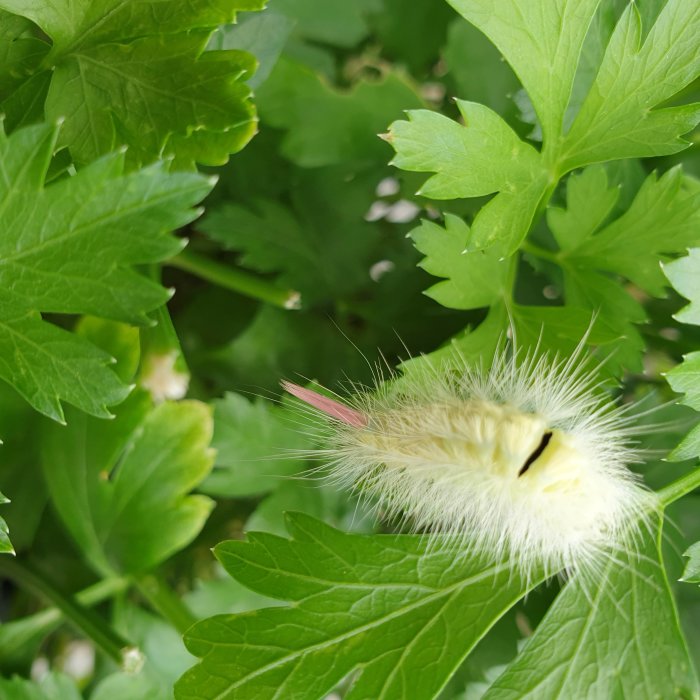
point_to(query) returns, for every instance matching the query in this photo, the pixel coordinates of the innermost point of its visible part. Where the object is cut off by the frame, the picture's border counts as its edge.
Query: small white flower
(162, 378)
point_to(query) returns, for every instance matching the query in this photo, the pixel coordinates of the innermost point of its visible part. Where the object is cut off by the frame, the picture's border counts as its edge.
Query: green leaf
(692, 566)
(5, 544)
(559, 329)
(53, 686)
(662, 219)
(589, 202)
(20, 475)
(480, 157)
(111, 481)
(136, 74)
(474, 279)
(617, 636)
(497, 159)
(685, 379)
(121, 341)
(404, 613)
(326, 126)
(295, 241)
(166, 657)
(321, 500)
(477, 68)
(71, 247)
(615, 309)
(621, 117)
(412, 33)
(684, 275)
(73, 23)
(688, 448)
(659, 222)
(334, 22)
(263, 36)
(19, 51)
(277, 344)
(255, 446)
(542, 42)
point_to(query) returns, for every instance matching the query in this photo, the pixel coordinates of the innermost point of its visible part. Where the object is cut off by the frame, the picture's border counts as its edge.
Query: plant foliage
(536, 175)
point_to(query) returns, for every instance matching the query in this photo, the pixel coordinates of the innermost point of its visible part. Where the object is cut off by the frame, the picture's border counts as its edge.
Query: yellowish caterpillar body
(526, 460)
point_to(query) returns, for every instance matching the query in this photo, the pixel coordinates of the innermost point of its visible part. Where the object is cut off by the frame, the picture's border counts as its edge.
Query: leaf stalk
(164, 601)
(680, 487)
(85, 620)
(236, 280)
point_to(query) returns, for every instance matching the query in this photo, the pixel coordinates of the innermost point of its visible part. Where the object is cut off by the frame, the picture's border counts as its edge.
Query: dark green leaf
(621, 116)
(479, 157)
(662, 219)
(692, 567)
(334, 22)
(474, 279)
(110, 481)
(263, 36)
(542, 42)
(71, 247)
(134, 74)
(255, 446)
(326, 126)
(403, 612)
(478, 70)
(614, 635)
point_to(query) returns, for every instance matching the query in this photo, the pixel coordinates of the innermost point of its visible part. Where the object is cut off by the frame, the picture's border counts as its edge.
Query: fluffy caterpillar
(526, 460)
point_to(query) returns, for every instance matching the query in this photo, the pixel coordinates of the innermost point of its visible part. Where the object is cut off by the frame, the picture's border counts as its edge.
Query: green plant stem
(537, 251)
(680, 487)
(236, 280)
(164, 601)
(90, 624)
(15, 634)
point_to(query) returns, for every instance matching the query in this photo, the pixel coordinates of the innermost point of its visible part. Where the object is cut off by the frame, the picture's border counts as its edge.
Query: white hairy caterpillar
(526, 460)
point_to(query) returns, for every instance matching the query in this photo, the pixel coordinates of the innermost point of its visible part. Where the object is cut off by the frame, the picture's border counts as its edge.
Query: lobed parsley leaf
(110, 481)
(52, 686)
(295, 239)
(332, 22)
(615, 636)
(594, 245)
(70, 247)
(401, 613)
(684, 274)
(326, 126)
(621, 116)
(543, 42)
(255, 445)
(474, 279)
(692, 566)
(480, 157)
(137, 74)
